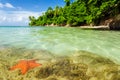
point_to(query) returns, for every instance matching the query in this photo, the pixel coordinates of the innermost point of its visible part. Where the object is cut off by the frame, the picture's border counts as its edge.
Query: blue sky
(16, 12)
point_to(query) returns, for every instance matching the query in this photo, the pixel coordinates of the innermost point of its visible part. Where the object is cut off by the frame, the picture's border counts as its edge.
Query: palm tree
(56, 11)
(67, 2)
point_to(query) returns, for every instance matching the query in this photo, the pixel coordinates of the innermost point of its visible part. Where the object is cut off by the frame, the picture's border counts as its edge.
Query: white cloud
(1, 5)
(6, 5)
(19, 18)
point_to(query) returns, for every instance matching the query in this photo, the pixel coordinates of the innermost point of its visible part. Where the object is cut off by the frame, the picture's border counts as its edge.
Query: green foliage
(67, 2)
(33, 20)
(78, 13)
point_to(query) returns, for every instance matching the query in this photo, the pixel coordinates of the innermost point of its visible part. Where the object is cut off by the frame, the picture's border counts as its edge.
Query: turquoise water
(62, 41)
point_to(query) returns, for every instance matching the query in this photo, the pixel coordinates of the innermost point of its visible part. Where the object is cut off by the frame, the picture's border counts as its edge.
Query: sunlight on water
(62, 41)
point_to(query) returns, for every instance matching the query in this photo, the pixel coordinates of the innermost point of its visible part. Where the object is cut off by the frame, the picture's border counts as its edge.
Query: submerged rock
(64, 68)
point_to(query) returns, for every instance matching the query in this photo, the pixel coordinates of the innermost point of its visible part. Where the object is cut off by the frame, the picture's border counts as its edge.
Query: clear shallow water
(62, 41)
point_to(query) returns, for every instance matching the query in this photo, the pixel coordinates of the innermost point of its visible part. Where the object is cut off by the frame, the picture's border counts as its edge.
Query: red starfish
(25, 65)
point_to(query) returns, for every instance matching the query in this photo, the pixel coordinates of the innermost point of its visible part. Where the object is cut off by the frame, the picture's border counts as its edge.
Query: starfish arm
(24, 69)
(18, 65)
(15, 67)
(33, 65)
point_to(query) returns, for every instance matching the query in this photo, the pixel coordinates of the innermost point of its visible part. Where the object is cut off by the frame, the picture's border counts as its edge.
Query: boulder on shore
(115, 25)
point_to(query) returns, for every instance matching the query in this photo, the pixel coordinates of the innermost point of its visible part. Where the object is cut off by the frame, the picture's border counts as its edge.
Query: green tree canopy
(78, 12)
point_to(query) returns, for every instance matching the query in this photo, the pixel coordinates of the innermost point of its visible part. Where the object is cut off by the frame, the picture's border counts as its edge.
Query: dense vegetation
(78, 12)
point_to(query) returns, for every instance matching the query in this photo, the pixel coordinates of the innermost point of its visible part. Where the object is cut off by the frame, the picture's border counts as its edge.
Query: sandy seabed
(80, 65)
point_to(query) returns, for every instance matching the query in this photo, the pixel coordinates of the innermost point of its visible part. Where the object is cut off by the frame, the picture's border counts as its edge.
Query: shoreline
(100, 27)
(95, 27)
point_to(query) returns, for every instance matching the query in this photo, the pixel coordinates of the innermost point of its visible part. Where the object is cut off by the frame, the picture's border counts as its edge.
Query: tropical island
(80, 13)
